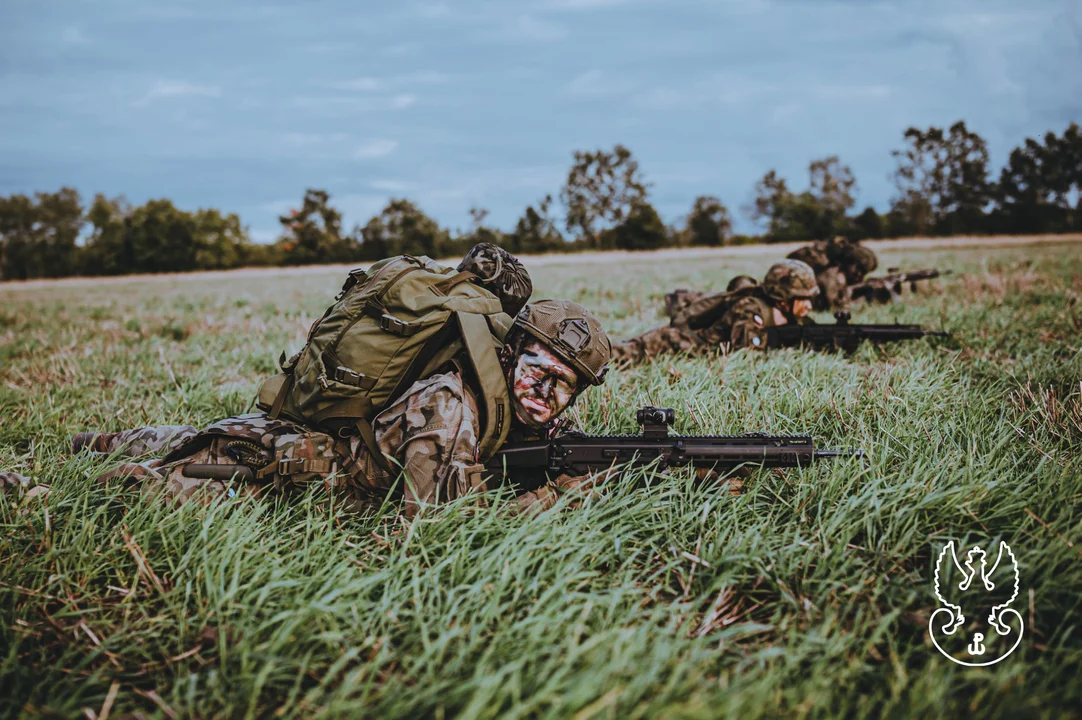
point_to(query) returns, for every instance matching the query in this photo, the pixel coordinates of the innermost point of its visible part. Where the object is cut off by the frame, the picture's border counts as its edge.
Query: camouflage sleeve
(678, 300)
(158, 440)
(833, 289)
(665, 339)
(581, 486)
(747, 320)
(704, 311)
(814, 255)
(432, 433)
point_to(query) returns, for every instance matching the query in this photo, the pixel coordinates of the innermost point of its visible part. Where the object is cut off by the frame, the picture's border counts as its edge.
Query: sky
(242, 105)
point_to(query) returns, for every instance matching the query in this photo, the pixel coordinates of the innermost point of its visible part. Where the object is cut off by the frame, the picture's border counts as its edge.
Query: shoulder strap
(486, 368)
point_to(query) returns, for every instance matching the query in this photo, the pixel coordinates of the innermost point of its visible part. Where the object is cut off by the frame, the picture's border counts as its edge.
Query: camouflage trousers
(248, 455)
(665, 339)
(129, 443)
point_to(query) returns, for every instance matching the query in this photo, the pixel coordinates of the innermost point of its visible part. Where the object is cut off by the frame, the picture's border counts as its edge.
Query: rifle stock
(843, 335)
(529, 464)
(886, 288)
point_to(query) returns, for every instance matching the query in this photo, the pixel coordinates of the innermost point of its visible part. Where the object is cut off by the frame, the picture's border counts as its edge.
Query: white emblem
(996, 590)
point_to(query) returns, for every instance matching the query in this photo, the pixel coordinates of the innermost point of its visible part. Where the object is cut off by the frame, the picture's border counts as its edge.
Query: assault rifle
(529, 463)
(887, 288)
(843, 335)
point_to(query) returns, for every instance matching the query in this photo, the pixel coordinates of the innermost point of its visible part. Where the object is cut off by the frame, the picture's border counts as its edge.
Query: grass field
(806, 593)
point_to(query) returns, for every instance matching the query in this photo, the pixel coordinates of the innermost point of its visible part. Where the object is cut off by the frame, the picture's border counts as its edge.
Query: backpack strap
(356, 410)
(486, 368)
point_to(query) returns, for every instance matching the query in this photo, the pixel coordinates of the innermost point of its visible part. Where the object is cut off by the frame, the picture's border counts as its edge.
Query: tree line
(943, 187)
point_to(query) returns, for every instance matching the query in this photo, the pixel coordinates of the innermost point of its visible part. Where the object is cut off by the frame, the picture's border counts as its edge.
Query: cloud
(73, 35)
(362, 84)
(391, 186)
(263, 236)
(358, 208)
(424, 77)
(433, 11)
(850, 92)
(278, 207)
(527, 27)
(582, 4)
(165, 89)
(309, 139)
(376, 148)
(594, 83)
(403, 101)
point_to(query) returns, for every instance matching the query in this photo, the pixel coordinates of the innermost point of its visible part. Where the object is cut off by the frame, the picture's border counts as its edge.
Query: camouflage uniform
(501, 273)
(838, 264)
(678, 300)
(431, 432)
(717, 321)
(727, 321)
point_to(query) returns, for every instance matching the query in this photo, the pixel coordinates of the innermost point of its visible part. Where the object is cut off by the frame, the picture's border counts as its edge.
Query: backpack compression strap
(486, 368)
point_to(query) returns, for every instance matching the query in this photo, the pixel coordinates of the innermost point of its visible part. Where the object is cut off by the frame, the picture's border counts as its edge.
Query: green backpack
(391, 325)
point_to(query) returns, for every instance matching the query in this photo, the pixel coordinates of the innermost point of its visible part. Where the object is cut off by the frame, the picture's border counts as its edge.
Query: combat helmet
(740, 282)
(572, 333)
(500, 273)
(863, 258)
(789, 280)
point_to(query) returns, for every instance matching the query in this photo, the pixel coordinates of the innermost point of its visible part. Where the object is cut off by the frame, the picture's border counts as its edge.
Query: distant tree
(818, 212)
(313, 234)
(642, 229)
(38, 237)
(833, 186)
(478, 233)
(601, 190)
(869, 224)
(942, 180)
(20, 251)
(160, 238)
(1039, 185)
(106, 252)
(536, 232)
(402, 228)
(770, 195)
(221, 242)
(708, 223)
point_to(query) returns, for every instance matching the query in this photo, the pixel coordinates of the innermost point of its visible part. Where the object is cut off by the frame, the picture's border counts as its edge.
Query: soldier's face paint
(801, 307)
(543, 385)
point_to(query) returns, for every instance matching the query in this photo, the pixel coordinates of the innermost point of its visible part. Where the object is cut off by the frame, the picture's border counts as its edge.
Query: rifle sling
(489, 374)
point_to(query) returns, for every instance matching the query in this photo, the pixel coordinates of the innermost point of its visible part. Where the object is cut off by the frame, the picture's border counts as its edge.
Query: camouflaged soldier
(838, 264)
(553, 352)
(729, 321)
(678, 300)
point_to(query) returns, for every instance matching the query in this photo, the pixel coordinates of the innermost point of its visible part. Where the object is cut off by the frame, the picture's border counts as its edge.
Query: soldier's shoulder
(443, 392)
(750, 305)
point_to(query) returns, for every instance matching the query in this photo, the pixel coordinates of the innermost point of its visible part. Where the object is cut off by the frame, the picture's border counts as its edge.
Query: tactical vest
(392, 324)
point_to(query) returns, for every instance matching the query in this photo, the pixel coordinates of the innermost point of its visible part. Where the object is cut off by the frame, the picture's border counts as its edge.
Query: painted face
(543, 385)
(801, 307)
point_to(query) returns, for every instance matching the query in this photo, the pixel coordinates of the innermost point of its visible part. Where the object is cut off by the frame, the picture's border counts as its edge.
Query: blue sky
(242, 105)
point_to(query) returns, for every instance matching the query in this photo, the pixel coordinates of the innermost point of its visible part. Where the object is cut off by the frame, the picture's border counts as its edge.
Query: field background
(807, 592)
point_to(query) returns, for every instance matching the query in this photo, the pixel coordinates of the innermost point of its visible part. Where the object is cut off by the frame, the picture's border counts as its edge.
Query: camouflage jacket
(715, 321)
(430, 435)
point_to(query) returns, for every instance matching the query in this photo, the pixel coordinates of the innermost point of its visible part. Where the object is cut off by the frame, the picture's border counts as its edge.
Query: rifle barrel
(822, 454)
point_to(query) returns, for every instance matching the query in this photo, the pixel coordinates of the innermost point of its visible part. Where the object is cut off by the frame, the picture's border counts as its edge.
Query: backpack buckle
(393, 325)
(344, 375)
(289, 466)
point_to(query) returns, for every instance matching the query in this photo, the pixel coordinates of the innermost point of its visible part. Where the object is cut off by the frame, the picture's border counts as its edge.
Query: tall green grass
(802, 592)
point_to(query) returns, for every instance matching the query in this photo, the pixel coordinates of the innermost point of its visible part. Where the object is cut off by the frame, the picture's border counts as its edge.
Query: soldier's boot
(134, 443)
(14, 484)
(96, 442)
